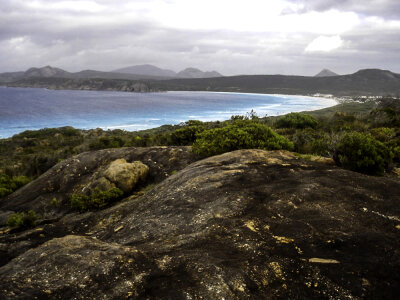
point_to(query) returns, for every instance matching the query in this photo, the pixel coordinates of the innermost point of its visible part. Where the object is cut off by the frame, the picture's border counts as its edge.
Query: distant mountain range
(364, 82)
(51, 72)
(151, 70)
(326, 73)
(140, 72)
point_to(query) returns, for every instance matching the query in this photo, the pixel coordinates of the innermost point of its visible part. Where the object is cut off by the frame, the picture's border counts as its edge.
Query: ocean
(32, 108)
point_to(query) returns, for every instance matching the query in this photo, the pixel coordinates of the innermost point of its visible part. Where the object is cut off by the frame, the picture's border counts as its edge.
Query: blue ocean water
(31, 108)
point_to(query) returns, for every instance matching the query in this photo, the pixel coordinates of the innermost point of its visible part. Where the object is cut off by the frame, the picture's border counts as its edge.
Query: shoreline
(337, 99)
(261, 109)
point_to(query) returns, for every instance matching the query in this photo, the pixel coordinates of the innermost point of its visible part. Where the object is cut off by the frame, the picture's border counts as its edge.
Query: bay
(32, 108)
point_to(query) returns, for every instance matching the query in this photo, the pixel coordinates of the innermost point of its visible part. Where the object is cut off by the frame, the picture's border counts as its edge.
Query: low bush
(10, 184)
(383, 134)
(362, 153)
(187, 134)
(97, 199)
(296, 120)
(22, 219)
(107, 142)
(387, 113)
(240, 134)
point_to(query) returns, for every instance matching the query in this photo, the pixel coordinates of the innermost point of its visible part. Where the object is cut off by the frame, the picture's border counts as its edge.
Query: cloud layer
(231, 36)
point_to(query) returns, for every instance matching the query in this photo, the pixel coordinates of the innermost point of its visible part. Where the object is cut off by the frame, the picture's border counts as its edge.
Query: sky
(292, 37)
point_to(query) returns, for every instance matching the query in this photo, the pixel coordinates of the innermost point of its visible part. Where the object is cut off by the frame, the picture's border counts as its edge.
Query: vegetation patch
(297, 120)
(240, 134)
(96, 200)
(22, 220)
(362, 153)
(10, 184)
(186, 135)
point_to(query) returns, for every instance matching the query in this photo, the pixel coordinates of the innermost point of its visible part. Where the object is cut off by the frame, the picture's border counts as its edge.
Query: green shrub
(303, 139)
(10, 184)
(19, 181)
(320, 146)
(22, 220)
(362, 153)
(383, 134)
(387, 114)
(70, 131)
(98, 199)
(4, 192)
(297, 120)
(107, 142)
(187, 134)
(240, 134)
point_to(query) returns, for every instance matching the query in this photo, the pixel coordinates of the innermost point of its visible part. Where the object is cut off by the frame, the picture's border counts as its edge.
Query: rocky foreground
(249, 224)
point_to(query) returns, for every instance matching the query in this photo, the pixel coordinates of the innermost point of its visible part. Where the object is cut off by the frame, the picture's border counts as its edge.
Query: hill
(46, 72)
(196, 73)
(326, 73)
(364, 82)
(10, 76)
(148, 70)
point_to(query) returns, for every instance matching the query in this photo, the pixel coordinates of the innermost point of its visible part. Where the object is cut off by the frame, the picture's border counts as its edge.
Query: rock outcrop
(123, 175)
(249, 224)
(122, 167)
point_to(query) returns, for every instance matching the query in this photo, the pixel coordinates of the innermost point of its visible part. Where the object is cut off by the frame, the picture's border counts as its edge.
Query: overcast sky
(231, 36)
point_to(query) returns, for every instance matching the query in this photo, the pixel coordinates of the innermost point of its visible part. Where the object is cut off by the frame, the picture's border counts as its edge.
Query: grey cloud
(388, 9)
(53, 38)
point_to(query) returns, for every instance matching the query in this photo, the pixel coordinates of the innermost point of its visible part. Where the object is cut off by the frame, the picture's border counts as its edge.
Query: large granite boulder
(125, 175)
(249, 224)
(119, 173)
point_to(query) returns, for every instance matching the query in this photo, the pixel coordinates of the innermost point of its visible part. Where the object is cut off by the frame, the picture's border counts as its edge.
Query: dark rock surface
(248, 224)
